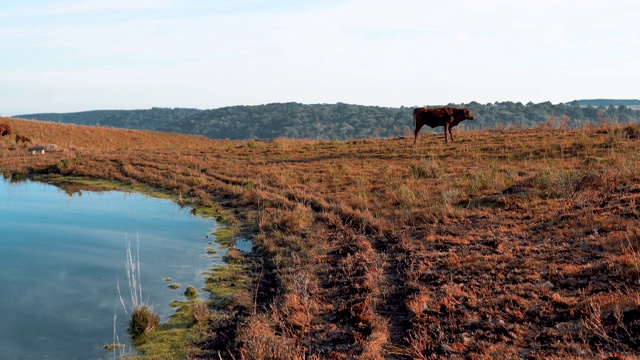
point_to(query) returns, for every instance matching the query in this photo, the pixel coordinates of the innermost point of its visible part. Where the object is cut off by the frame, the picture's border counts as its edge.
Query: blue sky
(65, 56)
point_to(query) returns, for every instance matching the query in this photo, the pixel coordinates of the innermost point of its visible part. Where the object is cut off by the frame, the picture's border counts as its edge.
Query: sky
(68, 56)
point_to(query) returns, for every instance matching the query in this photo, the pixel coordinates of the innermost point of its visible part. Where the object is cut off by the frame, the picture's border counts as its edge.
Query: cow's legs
(447, 129)
(416, 134)
(450, 134)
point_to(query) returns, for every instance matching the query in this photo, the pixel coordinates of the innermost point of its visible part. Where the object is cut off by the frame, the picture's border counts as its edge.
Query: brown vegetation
(525, 245)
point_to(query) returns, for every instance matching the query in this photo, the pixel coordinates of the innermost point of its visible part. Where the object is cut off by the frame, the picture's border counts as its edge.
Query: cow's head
(462, 115)
(468, 114)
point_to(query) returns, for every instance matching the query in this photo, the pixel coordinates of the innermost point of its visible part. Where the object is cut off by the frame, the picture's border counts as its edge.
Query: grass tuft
(191, 292)
(423, 170)
(143, 320)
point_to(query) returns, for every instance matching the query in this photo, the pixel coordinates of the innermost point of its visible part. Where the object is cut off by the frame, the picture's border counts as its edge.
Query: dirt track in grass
(503, 244)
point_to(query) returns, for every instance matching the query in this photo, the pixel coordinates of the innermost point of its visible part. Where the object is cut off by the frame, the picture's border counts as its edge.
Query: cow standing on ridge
(444, 116)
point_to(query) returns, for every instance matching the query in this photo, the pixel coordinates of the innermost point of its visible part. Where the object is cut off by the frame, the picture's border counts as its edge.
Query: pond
(62, 258)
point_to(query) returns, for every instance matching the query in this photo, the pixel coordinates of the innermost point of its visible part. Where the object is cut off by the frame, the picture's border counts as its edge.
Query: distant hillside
(609, 102)
(80, 118)
(332, 121)
(294, 120)
(162, 119)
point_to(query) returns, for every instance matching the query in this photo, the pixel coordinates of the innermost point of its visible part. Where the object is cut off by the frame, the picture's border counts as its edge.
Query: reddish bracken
(24, 139)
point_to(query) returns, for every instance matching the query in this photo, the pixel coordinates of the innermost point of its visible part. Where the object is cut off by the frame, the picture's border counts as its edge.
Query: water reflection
(60, 257)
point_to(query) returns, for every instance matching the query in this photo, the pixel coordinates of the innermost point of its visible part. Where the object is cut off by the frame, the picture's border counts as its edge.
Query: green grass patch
(175, 339)
(191, 292)
(214, 211)
(228, 284)
(224, 236)
(176, 303)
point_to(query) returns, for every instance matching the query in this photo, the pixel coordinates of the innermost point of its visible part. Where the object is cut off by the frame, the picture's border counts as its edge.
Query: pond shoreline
(228, 284)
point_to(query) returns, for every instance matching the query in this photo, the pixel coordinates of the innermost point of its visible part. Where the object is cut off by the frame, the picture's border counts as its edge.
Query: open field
(503, 244)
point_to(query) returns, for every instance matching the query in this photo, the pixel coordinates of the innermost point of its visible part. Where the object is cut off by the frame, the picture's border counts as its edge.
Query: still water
(62, 256)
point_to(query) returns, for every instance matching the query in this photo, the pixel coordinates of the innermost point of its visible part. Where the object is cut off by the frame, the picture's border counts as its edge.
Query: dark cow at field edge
(443, 116)
(5, 129)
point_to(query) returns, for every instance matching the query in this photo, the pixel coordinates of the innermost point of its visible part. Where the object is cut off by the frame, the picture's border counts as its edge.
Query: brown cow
(444, 116)
(24, 139)
(5, 129)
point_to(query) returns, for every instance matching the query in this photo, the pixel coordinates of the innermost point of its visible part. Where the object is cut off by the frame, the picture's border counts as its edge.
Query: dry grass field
(505, 244)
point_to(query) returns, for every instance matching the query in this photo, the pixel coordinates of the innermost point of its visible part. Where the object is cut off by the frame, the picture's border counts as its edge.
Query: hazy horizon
(72, 56)
(636, 107)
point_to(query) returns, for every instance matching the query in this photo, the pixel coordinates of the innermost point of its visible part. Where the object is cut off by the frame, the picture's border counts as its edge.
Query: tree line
(335, 121)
